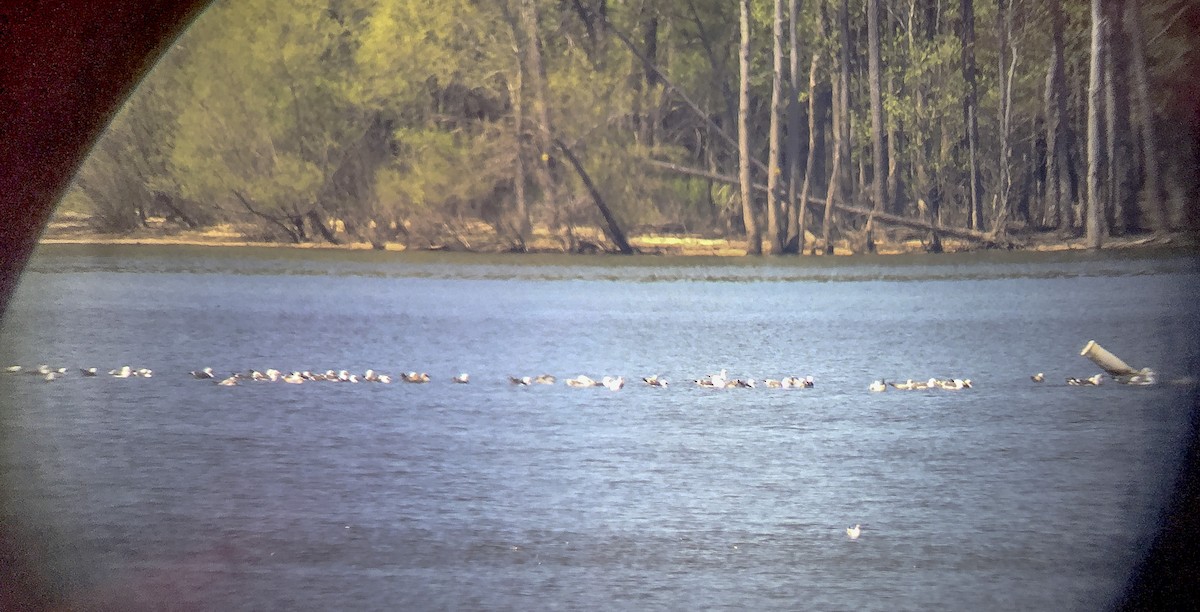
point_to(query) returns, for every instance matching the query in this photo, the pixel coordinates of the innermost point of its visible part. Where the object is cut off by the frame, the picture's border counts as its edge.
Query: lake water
(170, 492)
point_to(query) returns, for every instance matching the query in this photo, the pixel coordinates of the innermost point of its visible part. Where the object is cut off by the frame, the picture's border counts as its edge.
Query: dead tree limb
(818, 204)
(314, 219)
(612, 228)
(272, 219)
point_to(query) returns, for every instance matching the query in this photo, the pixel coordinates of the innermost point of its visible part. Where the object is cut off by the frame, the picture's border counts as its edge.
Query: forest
(573, 125)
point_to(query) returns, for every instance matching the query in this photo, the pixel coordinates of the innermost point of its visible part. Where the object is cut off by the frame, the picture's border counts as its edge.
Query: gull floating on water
(613, 384)
(654, 381)
(853, 532)
(463, 378)
(582, 381)
(1039, 377)
(716, 381)
(1091, 381)
(877, 386)
(955, 384)
(795, 382)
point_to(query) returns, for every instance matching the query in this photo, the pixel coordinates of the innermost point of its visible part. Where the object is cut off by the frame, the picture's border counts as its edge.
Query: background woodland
(579, 123)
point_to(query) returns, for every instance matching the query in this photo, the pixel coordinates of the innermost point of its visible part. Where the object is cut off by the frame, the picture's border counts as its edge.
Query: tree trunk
(1095, 201)
(971, 114)
(314, 220)
(1153, 201)
(643, 89)
(924, 130)
(1057, 189)
(522, 227)
(1122, 189)
(841, 121)
(775, 229)
(835, 167)
(1007, 66)
(794, 209)
(753, 236)
(539, 107)
(875, 79)
(891, 188)
(611, 227)
(810, 163)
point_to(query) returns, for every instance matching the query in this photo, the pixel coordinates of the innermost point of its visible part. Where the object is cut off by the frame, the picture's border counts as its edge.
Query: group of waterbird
(49, 374)
(719, 380)
(612, 383)
(946, 384)
(1091, 381)
(298, 377)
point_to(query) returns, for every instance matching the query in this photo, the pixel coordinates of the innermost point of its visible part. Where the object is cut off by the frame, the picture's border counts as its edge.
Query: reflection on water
(1011, 495)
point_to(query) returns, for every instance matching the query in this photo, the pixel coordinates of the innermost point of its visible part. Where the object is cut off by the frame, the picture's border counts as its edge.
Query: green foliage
(276, 104)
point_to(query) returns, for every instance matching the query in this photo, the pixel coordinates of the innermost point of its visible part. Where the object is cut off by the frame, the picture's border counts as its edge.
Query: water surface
(1010, 495)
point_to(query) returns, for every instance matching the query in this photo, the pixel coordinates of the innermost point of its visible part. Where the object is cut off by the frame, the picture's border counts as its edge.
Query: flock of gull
(719, 380)
(50, 374)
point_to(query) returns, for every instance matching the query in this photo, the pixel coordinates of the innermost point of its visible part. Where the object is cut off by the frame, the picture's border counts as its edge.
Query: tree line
(773, 120)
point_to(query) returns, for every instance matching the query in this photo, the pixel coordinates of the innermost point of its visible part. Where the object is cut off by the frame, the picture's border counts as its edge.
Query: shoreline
(647, 244)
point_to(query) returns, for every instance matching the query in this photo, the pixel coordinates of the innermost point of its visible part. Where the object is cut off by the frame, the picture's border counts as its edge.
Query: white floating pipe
(1106, 360)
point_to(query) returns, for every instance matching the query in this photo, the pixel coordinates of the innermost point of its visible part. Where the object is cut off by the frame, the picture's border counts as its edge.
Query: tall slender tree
(1153, 201)
(1006, 68)
(1095, 199)
(540, 109)
(811, 161)
(971, 115)
(775, 229)
(1121, 213)
(522, 227)
(753, 235)
(841, 121)
(1058, 192)
(874, 76)
(794, 207)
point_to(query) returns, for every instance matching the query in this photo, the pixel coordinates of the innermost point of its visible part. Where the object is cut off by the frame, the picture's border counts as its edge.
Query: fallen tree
(818, 205)
(611, 228)
(990, 240)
